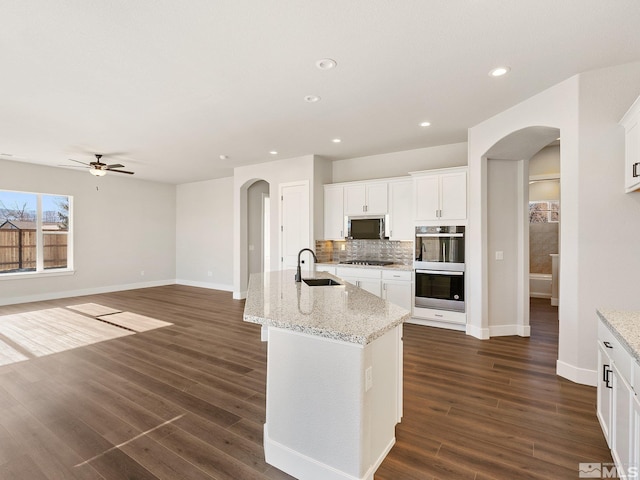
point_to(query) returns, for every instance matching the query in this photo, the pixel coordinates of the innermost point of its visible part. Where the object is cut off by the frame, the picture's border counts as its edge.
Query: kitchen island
(334, 375)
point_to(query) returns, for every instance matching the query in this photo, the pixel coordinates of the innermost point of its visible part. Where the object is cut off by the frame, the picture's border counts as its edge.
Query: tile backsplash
(385, 250)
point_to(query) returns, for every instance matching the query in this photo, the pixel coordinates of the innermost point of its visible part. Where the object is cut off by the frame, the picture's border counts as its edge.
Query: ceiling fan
(98, 168)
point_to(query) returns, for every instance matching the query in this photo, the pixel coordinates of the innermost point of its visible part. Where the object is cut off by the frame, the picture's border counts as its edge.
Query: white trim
(478, 332)
(86, 291)
(435, 323)
(240, 295)
(302, 466)
(33, 274)
(509, 330)
(211, 286)
(576, 374)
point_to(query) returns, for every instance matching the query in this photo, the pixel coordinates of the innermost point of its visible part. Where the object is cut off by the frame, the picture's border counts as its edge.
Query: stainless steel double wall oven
(439, 265)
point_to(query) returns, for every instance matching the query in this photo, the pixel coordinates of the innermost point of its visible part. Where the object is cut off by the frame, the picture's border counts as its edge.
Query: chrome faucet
(298, 271)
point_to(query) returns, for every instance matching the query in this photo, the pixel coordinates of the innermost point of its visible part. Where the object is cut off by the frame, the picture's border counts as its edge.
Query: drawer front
(326, 268)
(358, 272)
(397, 275)
(440, 315)
(620, 356)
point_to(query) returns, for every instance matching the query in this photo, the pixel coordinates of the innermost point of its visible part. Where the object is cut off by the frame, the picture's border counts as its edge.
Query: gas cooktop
(377, 263)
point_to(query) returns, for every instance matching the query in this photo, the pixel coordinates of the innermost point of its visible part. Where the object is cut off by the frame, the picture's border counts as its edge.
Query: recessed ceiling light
(425, 124)
(273, 152)
(224, 157)
(312, 98)
(499, 71)
(326, 64)
(336, 140)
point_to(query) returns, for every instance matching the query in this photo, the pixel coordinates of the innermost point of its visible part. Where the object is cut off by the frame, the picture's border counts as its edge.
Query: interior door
(294, 226)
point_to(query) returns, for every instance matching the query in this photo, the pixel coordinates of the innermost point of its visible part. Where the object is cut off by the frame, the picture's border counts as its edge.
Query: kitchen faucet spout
(298, 270)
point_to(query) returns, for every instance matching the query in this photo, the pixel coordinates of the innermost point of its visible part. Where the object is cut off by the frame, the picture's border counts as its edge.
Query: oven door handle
(440, 272)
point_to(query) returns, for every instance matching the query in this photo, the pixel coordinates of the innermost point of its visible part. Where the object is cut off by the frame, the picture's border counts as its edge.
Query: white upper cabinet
(334, 212)
(440, 195)
(401, 209)
(632, 148)
(369, 198)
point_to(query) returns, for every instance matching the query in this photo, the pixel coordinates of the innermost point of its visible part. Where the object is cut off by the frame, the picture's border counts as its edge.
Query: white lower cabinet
(622, 399)
(397, 288)
(605, 392)
(618, 402)
(368, 279)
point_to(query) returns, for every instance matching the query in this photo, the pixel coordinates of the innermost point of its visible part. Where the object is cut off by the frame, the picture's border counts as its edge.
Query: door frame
(281, 186)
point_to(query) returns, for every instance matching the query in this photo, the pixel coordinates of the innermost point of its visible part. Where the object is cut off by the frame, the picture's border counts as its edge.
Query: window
(544, 212)
(35, 232)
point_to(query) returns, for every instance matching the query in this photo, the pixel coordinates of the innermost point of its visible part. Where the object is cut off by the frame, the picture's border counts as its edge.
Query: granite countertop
(625, 326)
(343, 312)
(395, 266)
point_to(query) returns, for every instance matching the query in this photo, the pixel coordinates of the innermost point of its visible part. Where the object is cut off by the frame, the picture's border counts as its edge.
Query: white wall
(274, 173)
(398, 164)
(255, 219)
(502, 184)
(122, 226)
(586, 109)
(204, 234)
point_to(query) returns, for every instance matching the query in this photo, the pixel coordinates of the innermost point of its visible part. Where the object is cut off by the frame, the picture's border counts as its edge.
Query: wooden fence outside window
(18, 250)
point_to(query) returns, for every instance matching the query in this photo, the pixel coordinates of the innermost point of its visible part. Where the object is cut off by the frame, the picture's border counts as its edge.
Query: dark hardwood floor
(187, 401)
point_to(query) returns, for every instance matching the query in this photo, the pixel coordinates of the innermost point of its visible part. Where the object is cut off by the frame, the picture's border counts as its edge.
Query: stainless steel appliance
(440, 248)
(367, 228)
(377, 263)
(439, 267)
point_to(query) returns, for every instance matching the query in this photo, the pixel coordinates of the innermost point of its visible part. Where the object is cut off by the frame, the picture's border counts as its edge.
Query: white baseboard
(554, 302)
(478, 332)
(211, 286)
(239, 295)
(301, 466)
(509, 330)
(539, 295)
(576, 374)
(85, 291)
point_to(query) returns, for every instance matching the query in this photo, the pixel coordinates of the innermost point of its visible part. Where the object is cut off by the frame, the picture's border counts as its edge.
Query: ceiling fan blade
(115, 165)
(121, 171)
(78, 161)
(75, 166)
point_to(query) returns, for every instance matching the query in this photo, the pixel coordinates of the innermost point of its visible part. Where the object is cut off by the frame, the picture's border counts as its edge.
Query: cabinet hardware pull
(635, 170)
(605, 367)
(607, 344)
(607, 380)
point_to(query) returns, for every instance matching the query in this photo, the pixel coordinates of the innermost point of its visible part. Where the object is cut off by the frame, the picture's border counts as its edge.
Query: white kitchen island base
(332, 406)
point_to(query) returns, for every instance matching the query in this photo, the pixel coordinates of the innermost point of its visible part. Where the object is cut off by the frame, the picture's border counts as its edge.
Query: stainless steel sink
(320, 282)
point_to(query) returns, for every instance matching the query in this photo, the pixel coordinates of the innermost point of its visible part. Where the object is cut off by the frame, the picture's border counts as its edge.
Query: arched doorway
(507, 228)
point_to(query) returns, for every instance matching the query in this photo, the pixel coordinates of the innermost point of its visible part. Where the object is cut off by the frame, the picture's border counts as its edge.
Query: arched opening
(255, 230)
(508, 228)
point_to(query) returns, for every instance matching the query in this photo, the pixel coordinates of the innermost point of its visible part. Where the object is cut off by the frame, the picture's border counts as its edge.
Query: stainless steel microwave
(367, 228)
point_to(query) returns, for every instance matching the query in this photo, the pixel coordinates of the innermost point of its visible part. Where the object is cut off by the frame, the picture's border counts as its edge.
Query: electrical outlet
(209, 273)
(499, 255)
(368, 379)
(142, 273)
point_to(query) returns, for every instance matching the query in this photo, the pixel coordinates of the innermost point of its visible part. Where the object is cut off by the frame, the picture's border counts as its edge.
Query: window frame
(40, 270)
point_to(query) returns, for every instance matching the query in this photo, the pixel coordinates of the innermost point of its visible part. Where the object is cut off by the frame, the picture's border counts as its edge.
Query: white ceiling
(166, 86)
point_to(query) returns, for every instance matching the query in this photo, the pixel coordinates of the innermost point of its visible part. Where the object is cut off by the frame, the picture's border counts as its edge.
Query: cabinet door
(621, 429)
(453, 196)
(632, 157)
(605, 392)
(377, 199)
(333, 213)
(427, 197)
(398, 293)
(371, 285)
(635, 435)
(355, 199)
(401, 210)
